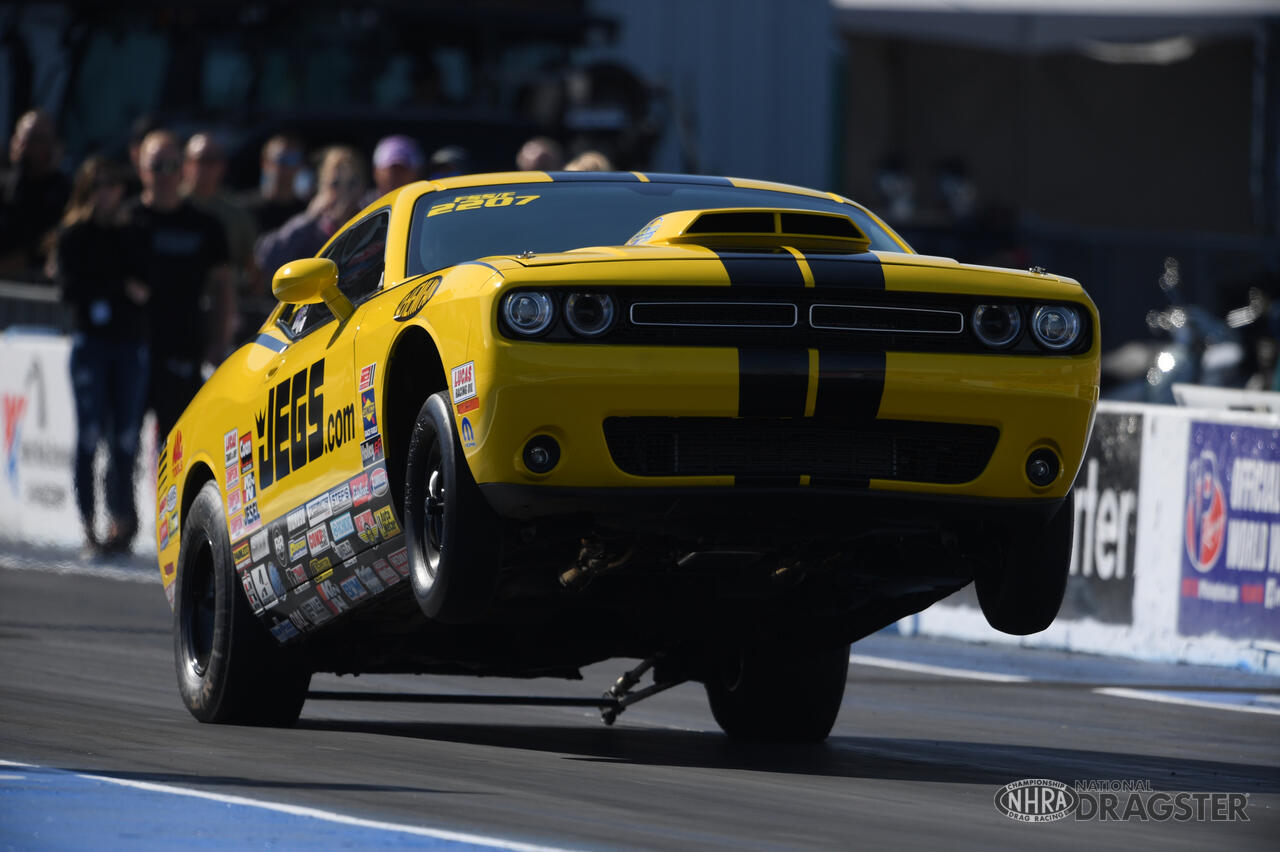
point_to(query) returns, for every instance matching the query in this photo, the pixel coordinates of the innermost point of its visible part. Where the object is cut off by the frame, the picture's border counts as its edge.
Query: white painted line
(1162, 698)
(67, 567)
(315, 813)
(12, 777)
(940, 671)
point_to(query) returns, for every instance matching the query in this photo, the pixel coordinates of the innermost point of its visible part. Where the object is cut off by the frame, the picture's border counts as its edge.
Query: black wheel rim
(433, 511)
(199, 605)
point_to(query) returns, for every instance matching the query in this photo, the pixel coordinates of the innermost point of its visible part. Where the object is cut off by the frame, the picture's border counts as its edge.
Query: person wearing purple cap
(396, 161)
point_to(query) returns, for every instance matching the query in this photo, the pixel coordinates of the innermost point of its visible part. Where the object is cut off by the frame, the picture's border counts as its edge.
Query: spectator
(449, 161)
(341, 185)
(540, 154)
(184, 256)
(589, 161)
(32, 196)
(203, 168)
(97, 265)
(276, 200)
(396, 161)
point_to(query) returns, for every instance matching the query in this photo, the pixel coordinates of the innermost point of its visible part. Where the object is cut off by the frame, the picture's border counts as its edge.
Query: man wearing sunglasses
(185, 259)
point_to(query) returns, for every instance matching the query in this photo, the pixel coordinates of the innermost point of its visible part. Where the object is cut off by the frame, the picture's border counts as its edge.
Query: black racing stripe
(855, 271)
(761, 270)
(839, 482)
(767, 481)
(772, 382)
(850, 384)
(625, 177)
(701, 180)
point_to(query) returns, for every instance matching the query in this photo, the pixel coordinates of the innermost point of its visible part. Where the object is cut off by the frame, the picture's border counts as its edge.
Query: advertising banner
(1100, 585)
(1231, 533)
(37, 449)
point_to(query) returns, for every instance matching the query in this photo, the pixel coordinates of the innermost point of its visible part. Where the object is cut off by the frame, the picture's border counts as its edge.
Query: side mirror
(310, 280)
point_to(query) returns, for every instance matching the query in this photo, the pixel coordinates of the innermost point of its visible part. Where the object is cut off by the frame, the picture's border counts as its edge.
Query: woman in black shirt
(96, 262)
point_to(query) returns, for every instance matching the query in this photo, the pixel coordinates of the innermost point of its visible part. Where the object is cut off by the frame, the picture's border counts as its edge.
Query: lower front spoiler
(700, 507)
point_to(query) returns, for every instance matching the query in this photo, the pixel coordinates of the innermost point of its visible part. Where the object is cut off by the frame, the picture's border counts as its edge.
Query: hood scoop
(754, 228)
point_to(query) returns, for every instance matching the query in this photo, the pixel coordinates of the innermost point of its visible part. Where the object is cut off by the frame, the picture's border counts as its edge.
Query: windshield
(457, 225)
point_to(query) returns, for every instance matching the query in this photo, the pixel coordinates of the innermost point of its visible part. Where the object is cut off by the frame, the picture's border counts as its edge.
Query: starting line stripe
(940, 671)
(1165, 698)
(477, 840)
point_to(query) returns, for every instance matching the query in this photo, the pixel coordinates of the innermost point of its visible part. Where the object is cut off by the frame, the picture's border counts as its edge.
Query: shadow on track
(196, 781)
(937, 761)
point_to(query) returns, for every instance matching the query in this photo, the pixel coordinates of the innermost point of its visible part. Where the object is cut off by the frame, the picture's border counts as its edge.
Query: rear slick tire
(453, 536)
(789, 693)
(230, 669)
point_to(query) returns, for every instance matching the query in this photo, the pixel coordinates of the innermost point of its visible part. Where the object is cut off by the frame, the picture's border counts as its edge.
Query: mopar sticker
(468, 433)
(464, 382)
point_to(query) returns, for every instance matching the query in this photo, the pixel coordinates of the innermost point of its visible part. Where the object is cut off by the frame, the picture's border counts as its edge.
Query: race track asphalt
(87, 688)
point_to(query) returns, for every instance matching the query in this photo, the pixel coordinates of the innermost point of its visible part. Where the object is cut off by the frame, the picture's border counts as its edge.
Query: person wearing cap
(396, 161)
(449, 161)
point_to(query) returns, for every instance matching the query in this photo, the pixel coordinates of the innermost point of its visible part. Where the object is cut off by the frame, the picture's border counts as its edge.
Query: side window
(360, 255)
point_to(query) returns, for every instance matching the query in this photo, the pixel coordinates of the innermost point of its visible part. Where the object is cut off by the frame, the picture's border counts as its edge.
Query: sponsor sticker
(344, 550)
(369, 413)
(318, 540)
(169, 591)
(315, 611)
(299, 620)
(318, 509)
(366, 376)
(400, 559)
(296, 574)
(246, 449)
(284, 631)
(164, 533)
(297, 519)
(171, 499)
(387, 522)
(469, 405)
(277, 584)
(249, 487)
(341, 526)
(378, 481)
(297, 547)
(237, 526)
(331, 595)
(369, 579)
(233, 477)
(360, 490)
(367, 527)
(168, 570)
(262, 583)
(251, 593)
(385, 571)
(467, 433)
(340, 499)
(258, 546)
(234, 501)
(371, 451)
(353, 588)
(464, 381)
(319, 566)
(241, 554)
(230, 442)
(279, 548)
(252, 520)
(176, 458)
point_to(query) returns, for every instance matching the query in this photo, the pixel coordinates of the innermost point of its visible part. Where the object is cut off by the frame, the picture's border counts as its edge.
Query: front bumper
(567, 391)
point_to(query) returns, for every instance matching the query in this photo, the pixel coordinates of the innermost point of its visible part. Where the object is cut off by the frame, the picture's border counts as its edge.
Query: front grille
(836, 450)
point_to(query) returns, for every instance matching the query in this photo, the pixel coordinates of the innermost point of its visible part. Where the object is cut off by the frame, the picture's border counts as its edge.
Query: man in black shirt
(185, 260)
(33, 194)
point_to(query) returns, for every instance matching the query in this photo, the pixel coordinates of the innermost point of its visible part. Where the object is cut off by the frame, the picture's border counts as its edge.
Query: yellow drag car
(514, 424)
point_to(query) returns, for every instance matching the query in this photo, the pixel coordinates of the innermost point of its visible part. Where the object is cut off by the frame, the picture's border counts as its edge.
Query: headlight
(529, 312)
(997, 325)
(1055, 326)
(589, 314)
